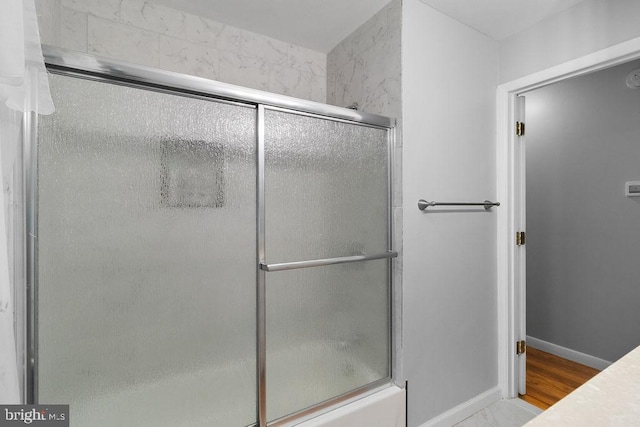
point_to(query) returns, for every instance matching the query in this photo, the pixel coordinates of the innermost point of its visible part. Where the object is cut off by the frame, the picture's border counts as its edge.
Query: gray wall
(449, 277)
(583, 144)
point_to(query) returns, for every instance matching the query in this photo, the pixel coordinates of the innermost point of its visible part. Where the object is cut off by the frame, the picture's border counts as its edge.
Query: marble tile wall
(149, 34)
(365, 68)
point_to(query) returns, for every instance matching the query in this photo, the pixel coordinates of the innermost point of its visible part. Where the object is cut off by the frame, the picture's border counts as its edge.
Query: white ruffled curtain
(24, 87)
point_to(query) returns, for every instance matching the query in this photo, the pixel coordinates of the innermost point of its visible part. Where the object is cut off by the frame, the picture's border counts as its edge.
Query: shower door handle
(327, 261)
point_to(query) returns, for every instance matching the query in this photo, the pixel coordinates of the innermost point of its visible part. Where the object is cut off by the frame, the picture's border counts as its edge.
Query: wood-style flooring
(550, 378)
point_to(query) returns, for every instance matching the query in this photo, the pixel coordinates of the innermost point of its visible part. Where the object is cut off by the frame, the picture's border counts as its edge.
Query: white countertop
(611, 398)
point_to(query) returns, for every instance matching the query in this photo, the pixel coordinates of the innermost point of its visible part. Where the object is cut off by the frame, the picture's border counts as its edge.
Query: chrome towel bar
(488, 204)
(328, 261)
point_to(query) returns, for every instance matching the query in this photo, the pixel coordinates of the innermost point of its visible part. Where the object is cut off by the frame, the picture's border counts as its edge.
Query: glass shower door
(146, 257)
(326, 188)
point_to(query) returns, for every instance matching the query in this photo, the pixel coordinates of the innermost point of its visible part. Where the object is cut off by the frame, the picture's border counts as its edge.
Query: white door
(520, 256)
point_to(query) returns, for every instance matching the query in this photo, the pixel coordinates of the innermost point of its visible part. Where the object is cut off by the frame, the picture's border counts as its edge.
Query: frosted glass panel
(326, 185)
(327, 333)
(146, 293)
(325, 188)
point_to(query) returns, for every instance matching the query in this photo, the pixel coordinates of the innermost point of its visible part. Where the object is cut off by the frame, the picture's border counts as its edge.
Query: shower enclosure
(203, 254)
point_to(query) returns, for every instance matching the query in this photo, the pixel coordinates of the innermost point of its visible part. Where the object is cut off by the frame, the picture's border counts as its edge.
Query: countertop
(611, 398)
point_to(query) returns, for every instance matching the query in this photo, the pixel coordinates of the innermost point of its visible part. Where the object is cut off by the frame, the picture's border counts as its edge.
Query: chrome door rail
(97, 66)
(326, 261)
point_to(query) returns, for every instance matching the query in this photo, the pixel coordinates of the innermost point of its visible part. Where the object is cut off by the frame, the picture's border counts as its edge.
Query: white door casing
(510, 174)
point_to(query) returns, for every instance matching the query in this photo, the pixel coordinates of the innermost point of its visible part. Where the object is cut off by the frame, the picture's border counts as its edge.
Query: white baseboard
(466, 409)
(567, 353)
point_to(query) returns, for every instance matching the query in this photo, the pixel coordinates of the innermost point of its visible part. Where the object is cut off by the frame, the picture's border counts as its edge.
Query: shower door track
(97, 68)
(71, 61)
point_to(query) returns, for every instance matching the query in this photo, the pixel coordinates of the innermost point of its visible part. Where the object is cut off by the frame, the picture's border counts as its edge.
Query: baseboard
(466, 409)
(569, 354)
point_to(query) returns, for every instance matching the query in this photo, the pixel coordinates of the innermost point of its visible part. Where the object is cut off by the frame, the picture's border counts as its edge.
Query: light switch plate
(632, 189)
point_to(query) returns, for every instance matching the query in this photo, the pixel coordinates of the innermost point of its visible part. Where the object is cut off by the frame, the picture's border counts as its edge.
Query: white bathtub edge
(466, 409)
(385, 408)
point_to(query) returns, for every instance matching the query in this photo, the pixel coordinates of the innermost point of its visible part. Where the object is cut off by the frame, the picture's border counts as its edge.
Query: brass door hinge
(521, 347)
(519, 128)
(521, 238)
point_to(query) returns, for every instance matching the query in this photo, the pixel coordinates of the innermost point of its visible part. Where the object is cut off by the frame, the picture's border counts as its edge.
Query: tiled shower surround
(145, 33)
(365, 68)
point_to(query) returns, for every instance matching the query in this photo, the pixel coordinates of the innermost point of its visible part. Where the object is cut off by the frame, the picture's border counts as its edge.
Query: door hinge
(521, 347)
(519, 128)
(521, 238)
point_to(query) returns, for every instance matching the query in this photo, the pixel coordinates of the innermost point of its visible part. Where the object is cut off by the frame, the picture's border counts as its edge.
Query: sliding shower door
(326, 206)
(146, 257)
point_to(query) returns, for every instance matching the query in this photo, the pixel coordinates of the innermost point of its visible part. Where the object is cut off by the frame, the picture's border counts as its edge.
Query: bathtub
(385, 408)
(191, 399)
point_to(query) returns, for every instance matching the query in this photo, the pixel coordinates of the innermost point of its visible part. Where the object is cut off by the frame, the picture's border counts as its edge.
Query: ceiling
(500, 19)
(321, 24)
(316, 24)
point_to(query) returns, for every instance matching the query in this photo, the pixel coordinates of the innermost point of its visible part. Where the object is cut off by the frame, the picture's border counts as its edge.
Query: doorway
(581, 149)
(512, 188)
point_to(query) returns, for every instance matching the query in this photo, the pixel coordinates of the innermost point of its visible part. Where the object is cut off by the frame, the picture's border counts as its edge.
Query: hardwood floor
(550, 378)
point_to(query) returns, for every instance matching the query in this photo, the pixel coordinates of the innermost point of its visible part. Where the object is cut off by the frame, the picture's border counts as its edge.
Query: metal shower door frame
(264, 268)
(97, 68)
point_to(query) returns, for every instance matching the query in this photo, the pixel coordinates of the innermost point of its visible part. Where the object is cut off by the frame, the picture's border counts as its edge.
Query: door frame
(510, 181)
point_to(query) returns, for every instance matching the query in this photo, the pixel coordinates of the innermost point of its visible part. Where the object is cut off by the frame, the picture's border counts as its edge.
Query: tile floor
(504, 413)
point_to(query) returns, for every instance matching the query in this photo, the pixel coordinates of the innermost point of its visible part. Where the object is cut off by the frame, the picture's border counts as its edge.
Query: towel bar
(488, 204)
